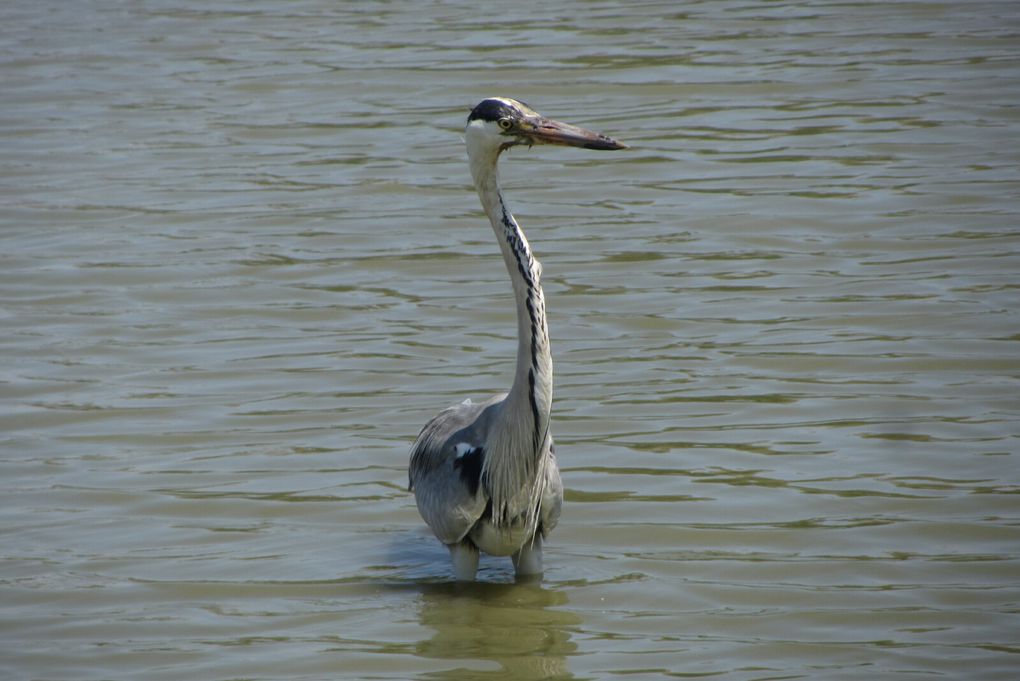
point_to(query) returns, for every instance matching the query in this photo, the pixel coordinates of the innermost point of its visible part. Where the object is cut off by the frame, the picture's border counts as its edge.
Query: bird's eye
(506, 123)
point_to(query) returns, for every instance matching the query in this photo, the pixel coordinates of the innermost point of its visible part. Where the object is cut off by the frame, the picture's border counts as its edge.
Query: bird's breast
(500, 541)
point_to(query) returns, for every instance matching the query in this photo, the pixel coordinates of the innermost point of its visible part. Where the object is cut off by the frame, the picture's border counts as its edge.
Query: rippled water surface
(241, 264)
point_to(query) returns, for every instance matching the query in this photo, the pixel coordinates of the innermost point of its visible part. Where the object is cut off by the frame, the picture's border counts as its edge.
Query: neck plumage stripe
(528, 268)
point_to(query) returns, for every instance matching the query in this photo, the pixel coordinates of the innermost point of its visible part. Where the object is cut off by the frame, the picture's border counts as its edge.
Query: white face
(481, 134)
(491, 135)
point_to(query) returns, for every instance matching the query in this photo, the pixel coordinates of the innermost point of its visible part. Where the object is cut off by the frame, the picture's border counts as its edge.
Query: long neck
(523, 424)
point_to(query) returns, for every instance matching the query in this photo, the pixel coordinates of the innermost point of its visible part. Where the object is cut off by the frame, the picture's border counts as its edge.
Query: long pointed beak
(547, 131)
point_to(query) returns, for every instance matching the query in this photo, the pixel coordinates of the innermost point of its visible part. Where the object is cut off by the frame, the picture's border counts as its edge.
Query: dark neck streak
(529, 273)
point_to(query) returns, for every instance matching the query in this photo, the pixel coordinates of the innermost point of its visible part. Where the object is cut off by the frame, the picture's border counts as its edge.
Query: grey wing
(445, 470)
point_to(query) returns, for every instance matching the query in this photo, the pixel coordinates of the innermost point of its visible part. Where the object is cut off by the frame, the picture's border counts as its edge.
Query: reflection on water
(241, 264)
(495, 630)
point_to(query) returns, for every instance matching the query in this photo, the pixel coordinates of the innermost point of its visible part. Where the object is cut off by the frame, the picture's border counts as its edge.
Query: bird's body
(484, 474)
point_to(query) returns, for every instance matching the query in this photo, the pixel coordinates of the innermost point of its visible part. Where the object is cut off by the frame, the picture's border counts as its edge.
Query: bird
(484, 474)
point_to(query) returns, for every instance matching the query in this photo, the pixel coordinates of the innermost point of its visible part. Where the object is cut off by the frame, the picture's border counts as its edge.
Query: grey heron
(484, 475)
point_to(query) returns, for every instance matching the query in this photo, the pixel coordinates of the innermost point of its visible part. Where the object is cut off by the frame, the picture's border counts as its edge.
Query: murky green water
(241, 265)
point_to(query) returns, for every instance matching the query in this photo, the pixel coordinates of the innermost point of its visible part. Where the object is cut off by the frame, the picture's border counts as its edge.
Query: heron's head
(499, 123)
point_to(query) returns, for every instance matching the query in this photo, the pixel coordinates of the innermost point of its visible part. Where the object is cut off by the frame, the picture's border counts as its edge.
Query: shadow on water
(495, 630)
(492, 628)
(489, 628)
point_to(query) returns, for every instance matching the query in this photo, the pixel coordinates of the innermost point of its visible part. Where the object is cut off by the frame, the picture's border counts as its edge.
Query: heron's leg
(465, 560)
(528, 559)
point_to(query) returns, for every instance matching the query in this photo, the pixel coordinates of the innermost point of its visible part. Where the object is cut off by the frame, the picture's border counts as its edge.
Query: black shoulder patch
(470, 467)
(490, 110)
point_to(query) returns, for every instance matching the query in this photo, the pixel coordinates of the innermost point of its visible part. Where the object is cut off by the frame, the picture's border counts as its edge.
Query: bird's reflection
(497, 630)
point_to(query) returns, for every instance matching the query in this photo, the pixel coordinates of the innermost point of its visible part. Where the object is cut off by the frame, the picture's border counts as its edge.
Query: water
(241, 265)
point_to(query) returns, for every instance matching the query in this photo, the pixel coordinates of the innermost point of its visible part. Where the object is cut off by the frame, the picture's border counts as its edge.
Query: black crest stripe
(490, 110)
